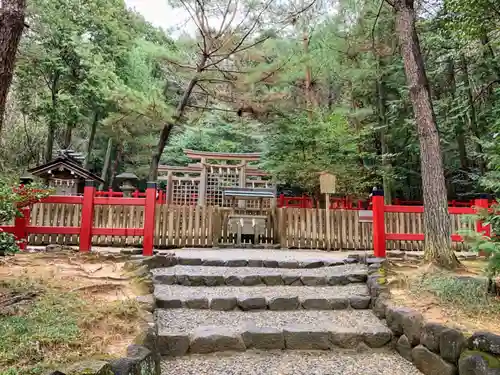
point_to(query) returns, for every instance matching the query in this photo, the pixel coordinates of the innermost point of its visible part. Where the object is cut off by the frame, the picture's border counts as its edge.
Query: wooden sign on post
(327, 186)
(327, 183)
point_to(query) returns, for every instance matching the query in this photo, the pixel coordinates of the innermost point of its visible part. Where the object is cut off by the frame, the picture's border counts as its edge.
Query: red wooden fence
(379, 233)
(21, 228)
(86, 228)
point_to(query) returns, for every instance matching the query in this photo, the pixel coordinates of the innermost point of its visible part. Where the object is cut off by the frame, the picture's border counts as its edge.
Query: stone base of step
(247, 298)
(248, 276)
(183, 331)
(270, 362)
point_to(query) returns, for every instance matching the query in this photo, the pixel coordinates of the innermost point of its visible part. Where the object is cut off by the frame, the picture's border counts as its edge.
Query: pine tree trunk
(169, 126)
(11, 29)
(107, 162)
(90, 144)
(437, 225)
(471, 114)
(49, 145)
(459, 123)
(383, 124)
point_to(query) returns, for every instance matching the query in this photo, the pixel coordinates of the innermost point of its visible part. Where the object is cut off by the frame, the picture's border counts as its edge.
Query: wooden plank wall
(194, 226)
(308, 228)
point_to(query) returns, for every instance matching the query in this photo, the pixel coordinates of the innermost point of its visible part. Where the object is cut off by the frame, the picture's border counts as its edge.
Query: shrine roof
(61, 163)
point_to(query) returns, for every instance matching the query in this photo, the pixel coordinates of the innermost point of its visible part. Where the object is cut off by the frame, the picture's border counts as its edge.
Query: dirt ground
(402, 277)
(97, 280)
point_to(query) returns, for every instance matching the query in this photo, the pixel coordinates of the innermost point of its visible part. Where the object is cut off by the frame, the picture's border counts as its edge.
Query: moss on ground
(493, 362)
(58, 327)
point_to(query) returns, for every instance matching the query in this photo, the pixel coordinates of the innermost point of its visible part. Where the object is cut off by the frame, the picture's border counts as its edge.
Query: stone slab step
(275, 258)
(212, 276)
(272, 362)
(266, 262)
(182, 331)
(246, 298)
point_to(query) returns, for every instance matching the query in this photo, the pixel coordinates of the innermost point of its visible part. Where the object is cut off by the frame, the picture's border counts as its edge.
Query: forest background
(314, 86)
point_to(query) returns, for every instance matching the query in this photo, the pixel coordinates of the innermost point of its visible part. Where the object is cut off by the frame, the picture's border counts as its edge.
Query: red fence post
(482, 204)
(149, 219)
(87, 216)
(378, 223)
(20, 225)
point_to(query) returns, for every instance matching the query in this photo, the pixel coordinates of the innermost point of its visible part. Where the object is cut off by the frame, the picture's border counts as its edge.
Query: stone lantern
(129, 180)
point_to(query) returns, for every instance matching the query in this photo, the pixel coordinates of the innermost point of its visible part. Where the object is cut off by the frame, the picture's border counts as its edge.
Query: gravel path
(179, 291)
(339, 362)
(246, 271)
(274, 254)
(185, 320)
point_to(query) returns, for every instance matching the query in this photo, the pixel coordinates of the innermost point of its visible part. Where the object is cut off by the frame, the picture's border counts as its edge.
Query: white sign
(365, 216)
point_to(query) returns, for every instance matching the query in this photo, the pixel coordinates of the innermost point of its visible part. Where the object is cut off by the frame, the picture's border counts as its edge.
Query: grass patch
(58, 327)
(470, 295)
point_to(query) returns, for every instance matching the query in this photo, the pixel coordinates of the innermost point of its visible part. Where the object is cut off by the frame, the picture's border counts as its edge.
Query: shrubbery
(12, 199)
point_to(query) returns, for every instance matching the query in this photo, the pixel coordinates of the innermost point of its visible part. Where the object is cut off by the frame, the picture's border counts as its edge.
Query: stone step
(259, 258)
(246, 298)
(273, 362)
(182, 331)
(213, 276)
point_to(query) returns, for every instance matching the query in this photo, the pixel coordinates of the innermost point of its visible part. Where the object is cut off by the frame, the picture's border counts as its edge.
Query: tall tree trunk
(107, 162)
(90, 144)
(167, 128)
(489, 55)
(115, 165)
(383, 124)
(437, 225)
(68, 134)
(49, 145)
(471, 114)
(309, 94)
(11, 29)
(459, 123)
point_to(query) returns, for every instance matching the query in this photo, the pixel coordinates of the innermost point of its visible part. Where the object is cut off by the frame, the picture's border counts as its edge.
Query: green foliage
(8, 243)
(299, 149)
(12, 199)
(30, 339)
(469, 295)
(95, 70)
(489, 245)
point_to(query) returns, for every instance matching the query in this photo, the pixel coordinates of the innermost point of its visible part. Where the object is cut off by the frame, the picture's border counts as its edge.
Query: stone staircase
(270, 312)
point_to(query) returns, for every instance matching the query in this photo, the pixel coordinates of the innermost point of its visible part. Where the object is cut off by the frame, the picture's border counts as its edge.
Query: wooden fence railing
(98, 221)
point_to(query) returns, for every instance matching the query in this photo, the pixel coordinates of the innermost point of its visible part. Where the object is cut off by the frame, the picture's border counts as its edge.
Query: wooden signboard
(365, 216)
(327, 183)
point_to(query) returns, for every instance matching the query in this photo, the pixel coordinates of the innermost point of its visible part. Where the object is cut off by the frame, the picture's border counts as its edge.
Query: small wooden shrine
(65, 173)
(227, 180)
(203, 182)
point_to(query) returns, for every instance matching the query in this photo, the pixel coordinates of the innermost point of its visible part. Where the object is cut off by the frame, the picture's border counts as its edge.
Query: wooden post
(87, 216)
(149, 219)
(242, 183)
(170, 187)
(378, 205)
(20, 225)
(327, 221)
(202, 186)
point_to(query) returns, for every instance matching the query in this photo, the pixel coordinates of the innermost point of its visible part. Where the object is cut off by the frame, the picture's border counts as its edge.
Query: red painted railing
(21, 228)
(380, 236)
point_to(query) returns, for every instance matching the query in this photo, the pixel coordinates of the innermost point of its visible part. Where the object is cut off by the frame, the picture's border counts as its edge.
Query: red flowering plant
(12, 200)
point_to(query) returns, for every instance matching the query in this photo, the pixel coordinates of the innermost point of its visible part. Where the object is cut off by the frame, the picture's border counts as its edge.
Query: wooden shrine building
(203, 182)
(65, 173)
